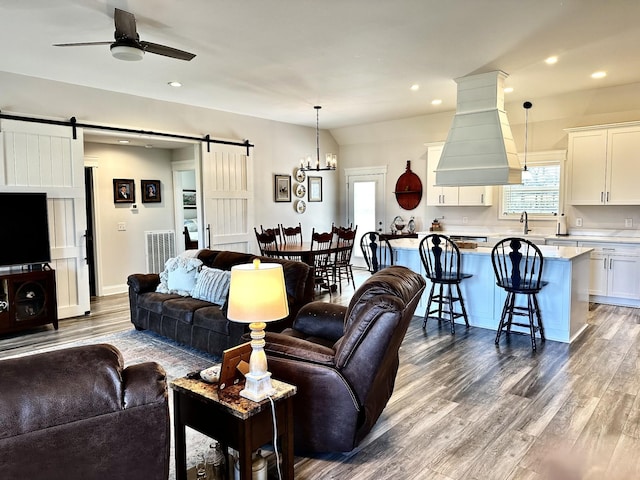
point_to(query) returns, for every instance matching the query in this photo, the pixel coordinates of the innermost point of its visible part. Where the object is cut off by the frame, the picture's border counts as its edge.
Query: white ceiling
(276, 59)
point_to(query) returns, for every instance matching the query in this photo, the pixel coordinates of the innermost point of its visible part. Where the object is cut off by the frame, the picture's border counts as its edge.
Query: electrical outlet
(122, 226)
(465, 220)
(579, 222)
(628, 222)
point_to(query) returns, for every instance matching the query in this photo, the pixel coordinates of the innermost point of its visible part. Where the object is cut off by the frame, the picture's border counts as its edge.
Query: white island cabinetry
(564, 302)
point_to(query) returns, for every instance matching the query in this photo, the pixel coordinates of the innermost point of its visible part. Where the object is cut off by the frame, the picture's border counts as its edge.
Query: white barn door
(45, 158)
(227, 198)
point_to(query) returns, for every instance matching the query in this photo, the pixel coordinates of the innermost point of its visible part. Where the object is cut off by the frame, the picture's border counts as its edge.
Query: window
(539, 195)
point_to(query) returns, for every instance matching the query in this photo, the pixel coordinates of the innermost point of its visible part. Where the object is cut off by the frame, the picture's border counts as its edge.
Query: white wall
(278, 149)
(392, 143)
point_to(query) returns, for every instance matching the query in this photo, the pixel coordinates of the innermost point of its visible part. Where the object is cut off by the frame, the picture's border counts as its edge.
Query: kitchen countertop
(548, 251)
(595, 236)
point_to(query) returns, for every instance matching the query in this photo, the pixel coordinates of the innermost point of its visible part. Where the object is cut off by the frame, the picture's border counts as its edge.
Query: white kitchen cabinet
(614, 273)
(452, 196)
(605, 165)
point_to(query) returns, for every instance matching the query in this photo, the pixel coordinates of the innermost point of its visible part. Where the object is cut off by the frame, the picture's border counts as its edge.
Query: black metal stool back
(441, 260)
(376, 251)
(518, 264)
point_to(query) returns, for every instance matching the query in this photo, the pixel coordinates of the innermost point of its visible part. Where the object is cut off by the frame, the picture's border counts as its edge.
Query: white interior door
(363, 185)
(227, 198)
(45, 158)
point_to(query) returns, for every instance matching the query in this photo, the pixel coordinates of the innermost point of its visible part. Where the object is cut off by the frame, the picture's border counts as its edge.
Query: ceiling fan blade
(125, 25)
(82, 44)
(166, 51)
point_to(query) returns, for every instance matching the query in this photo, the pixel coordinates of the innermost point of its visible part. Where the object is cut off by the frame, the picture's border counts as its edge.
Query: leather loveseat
(77, 413)
(344, 360)
(204, 325)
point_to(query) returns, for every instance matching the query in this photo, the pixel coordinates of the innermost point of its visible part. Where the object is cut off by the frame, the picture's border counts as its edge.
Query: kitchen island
(564, 302)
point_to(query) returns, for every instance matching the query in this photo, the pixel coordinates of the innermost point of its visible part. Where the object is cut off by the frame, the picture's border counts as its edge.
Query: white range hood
(479, 149)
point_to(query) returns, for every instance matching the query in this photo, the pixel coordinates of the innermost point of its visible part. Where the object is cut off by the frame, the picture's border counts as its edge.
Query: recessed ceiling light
(124, 142)
(551, 60)
(174, 84)
(508, 89)
(415, 87)
(436, 101)
(148, 145)
(600, 74)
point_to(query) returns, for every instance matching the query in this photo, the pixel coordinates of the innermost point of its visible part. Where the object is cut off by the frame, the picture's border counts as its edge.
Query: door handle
(209, 235)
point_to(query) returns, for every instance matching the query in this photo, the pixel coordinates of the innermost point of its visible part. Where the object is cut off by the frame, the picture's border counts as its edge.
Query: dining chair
(276, 231)
(440, 258)
(267, 242)
(342, 263)
(518, 264)
(376, 250)
(188, 243)
(323, 257)
(292, 234)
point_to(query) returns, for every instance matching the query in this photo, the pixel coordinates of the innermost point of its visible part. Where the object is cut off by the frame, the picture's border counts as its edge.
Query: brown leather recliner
(344, 360)
(77, 413)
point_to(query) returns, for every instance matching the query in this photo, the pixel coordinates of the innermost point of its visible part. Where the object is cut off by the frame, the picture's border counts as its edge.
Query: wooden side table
(233, 421)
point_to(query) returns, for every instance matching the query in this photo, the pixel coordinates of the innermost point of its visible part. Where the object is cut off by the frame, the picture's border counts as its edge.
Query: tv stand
(27, 300)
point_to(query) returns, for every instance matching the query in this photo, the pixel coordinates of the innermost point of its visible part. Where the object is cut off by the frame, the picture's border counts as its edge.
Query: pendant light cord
(527, 106)
(317, 107)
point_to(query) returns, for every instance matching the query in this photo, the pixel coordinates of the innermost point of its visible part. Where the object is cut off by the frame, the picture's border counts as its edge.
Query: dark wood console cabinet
(27, 300)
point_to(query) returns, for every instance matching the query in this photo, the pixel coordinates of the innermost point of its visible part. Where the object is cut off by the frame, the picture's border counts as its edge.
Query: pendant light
(331, 158)
(526, 174)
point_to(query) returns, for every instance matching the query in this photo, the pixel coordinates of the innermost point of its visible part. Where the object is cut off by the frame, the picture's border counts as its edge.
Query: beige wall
(123, 252)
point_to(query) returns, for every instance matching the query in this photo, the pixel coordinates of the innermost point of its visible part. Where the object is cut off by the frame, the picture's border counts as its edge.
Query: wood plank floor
(464, 409)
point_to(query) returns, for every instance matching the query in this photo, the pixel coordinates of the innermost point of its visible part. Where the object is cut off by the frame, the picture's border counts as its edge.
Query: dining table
(304, 252)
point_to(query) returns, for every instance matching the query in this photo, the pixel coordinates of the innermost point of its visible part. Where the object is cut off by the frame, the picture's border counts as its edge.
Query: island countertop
(564, 301)
(548, 251)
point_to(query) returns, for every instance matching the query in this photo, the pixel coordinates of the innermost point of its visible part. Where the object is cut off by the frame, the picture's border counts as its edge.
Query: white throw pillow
(212, 285)
(179, 276)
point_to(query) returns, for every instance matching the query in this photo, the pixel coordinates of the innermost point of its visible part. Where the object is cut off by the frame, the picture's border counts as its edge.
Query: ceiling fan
(127, 45)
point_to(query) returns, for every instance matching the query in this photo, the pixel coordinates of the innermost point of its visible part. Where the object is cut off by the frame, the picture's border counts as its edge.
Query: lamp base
(258, 387)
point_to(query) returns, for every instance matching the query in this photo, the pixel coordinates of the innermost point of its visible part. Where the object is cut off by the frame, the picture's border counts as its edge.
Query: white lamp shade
(257, 293)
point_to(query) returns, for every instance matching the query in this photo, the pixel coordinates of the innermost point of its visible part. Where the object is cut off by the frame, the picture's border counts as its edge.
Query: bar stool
(441, 261)
(518, 264)
(376, 251)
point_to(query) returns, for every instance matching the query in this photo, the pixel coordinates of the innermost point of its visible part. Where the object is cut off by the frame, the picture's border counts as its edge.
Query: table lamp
(257, 294)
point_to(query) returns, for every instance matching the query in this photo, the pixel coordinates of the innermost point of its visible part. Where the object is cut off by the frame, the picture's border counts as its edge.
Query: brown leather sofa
(203, 325)
(344, 360)
(77, 413)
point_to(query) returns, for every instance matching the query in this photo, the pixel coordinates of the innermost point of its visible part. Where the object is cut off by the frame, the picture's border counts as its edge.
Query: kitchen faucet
(524, 218)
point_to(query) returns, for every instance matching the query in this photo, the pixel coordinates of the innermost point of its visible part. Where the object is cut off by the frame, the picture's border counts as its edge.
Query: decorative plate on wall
(301, 206)
(300, 190)
(300, 175)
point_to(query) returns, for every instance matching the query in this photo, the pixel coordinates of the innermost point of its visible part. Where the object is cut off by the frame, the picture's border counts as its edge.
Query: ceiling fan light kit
(124, 52)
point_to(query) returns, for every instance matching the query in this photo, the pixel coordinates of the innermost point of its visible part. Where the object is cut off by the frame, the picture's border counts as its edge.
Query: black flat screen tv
(24, 234)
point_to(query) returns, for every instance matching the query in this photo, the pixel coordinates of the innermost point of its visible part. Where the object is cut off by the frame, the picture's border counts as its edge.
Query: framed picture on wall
(124, 190)
(150, 191)
(315, 189)
(282, 188)
(188, 198)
